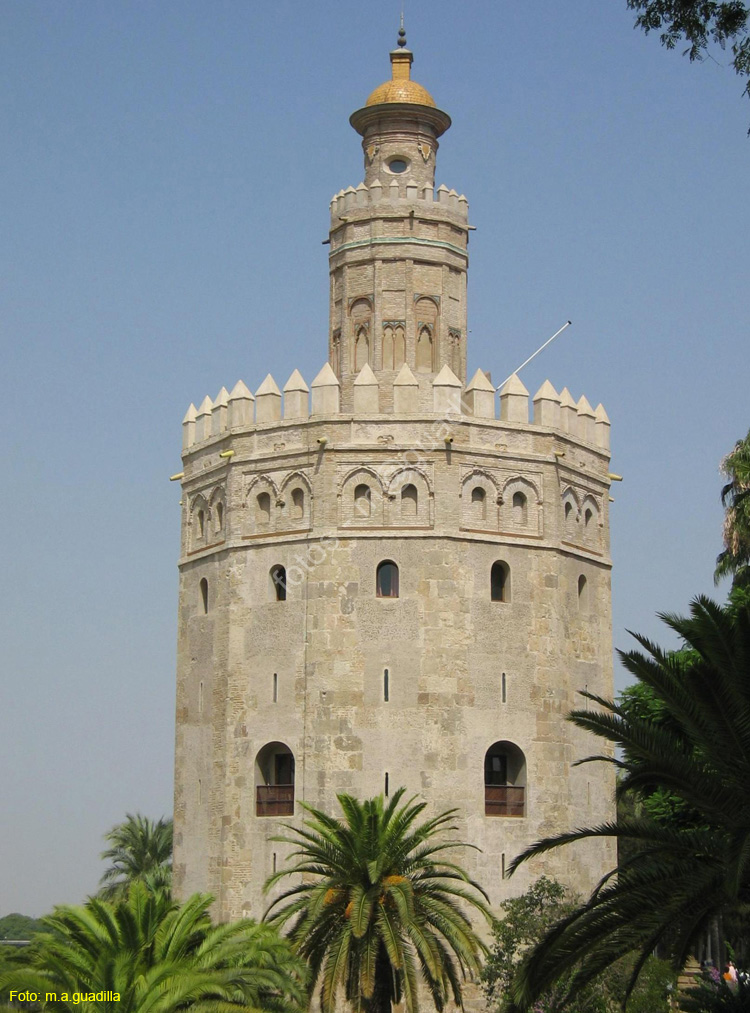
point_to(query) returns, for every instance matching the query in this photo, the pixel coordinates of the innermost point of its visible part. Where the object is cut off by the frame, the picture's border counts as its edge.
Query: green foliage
(16, 926)
(159, 957)
(717, 997)
(699, 22)
(524, 923)
(379, 904)
(734, 560)
(680, 877)
(141, 850)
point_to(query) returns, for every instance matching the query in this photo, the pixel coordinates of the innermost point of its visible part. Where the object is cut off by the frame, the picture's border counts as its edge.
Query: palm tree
(378, 899)
(685, 873)
(735, 498)
(141, 849)
(148, 954)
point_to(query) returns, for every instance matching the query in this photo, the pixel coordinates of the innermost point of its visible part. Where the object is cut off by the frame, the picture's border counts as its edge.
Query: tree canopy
(699, 23)
(680, 876)
(147, 954)
(379, 900)
(141, 850)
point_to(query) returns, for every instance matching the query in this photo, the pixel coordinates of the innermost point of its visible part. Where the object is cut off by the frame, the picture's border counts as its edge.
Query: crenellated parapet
(397, 193)
(393, 401)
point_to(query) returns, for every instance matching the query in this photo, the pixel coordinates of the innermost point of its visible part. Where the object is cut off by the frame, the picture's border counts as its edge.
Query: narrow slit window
(275, 687)
(201, 524)
(386, 784)
(278, 583)
(200, 697)
(386, 685)
(502, 689)
(204, 595)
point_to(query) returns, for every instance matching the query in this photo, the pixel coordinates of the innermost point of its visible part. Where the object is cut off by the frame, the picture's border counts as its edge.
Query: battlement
(399, 190)
(241, 410)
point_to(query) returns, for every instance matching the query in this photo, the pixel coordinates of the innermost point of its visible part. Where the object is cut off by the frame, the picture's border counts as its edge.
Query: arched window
(424, 350)
(219, 516)
(399, 347)
(426, 319)
(387, 346)
(274, 780)
(478, 504)
(588, 518)
(298, 503)
(201, 524)
(504, 780)
(361, 349)
(204, 594)
(263, 508)
(500, 582)
(520, 508)
(362, 501)
(409, 501)
(583, 593)
(278, 583)
(386, 579)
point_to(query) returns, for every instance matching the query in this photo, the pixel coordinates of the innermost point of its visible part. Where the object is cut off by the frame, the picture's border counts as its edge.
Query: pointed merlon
(240, 392)
(566, 399)
(600, 414)
(190, 415)
(325, 378)
(479, 397)
(222, 398)
(601, 426)
(366, 377)
(296, 382)
(514, 385)
(362, 186)
(268, 387)
(547, 393)
(405, 378)
(446, 378)
(480, 382)
(547, 406)
(240, 406)
(584, 408)
(188, 427)
(206, 406)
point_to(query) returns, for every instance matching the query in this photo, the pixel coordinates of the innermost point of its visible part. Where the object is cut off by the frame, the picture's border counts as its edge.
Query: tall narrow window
(409, 501)
(504, 780)
(387, 347)
(275, 687)
(361, 349)
(478, 504)
(583, 593)
(204, 595)
(298, 503)
(200, 697)
(201, 524)
(424, 350)
(386, 784)
(278, 583)
(399, 348)
(588, 517)
(362, 501)
(500, 582)
(520, 508)
(263, 508)
(219, 516)
(386, 686)
(386, 579)
(502, 689)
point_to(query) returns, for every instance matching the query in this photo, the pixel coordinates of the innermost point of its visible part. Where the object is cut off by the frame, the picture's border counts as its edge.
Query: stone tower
(383, 581)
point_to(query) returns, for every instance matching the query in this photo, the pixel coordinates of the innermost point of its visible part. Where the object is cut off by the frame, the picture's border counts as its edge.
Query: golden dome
(401, 91)
(401, 88)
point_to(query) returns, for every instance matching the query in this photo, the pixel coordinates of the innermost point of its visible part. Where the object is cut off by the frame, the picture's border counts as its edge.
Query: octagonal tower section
(383, 595)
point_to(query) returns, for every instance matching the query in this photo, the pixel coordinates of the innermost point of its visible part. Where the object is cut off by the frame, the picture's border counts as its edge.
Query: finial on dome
(401, 32)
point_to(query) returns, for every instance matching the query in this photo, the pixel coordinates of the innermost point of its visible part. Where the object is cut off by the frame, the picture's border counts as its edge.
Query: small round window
(398, 165)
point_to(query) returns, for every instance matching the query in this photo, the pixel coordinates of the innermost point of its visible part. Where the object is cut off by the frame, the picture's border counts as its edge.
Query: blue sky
(166, 176)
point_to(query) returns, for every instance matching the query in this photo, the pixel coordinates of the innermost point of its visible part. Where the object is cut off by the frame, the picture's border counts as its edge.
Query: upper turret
(398, 254)
(400, 124)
